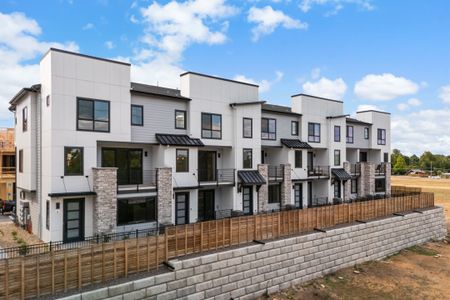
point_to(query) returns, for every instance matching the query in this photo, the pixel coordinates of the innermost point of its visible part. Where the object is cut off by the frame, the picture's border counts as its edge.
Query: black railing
(8, 170)
(318, 171)
(380, 170)
(276, 173)
(216, 175)
(318, 201)
(355, 169)
(136, 180)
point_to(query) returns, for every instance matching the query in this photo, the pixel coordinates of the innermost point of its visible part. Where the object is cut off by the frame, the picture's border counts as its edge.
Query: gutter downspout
(39, 160)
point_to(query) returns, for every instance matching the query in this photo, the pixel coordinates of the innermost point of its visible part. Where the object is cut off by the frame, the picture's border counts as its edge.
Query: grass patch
(422, 251)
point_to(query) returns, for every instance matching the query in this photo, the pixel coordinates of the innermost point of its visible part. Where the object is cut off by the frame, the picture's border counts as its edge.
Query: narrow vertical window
(247, 130)
(21, 161)
(247, 159)
(137, 115)
(182, 160)
(314, 132)
(337, 157)
(366, 133)
(180, 119)
(25, 119)
(349, 134)
(73, 161)
(294, 128)
(381, 136)
(47, 215)
(298, 159)
(337, 133)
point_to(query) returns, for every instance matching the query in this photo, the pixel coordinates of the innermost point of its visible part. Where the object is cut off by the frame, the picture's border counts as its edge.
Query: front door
(205, 205)
(310, 160)
(181, 208)
(363, 156)
(247, 200)
(310, 194)
(73, 220)
(206, 165)
(298, 195)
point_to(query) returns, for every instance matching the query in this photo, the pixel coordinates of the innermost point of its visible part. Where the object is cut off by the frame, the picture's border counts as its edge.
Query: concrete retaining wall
(251, 271)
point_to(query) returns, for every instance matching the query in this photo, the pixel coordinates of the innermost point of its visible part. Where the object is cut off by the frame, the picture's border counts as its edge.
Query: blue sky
(389, 55)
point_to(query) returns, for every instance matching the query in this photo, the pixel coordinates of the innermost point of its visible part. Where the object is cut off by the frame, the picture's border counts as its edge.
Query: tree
(400, 166)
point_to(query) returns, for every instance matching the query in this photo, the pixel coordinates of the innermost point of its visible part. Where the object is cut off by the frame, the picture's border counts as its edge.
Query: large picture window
(92, 115)
(314, 132)
(247, 159)
(182, 164)
(73, 161)
(136, 210)
(349, 135)
(268, 129)
(247, 128)
(380, 185)
(137, 115)
(274, 193)
(211, 126)
(381, 136)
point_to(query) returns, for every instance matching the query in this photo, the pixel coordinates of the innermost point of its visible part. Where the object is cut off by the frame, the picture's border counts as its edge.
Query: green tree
(400, 166)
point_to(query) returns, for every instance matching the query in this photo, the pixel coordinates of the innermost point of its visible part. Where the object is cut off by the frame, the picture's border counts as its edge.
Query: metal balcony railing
(355, 169)
(216, 176)
(136, 180)
(318, 201)
(276, 173)
(319, 171)
(8, 170)
(380, 169)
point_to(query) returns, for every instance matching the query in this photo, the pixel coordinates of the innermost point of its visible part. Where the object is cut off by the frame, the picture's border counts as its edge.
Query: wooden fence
(68, 270)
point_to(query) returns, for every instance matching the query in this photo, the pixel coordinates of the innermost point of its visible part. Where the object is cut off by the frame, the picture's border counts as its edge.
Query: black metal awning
(251, 177)
(295, 143)
(178, 140)
(341, 174)
(72, 194)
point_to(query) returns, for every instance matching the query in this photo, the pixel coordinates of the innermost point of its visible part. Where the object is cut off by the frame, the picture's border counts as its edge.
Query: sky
(372, 54)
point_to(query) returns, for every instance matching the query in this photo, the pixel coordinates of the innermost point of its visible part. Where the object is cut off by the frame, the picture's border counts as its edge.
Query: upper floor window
(366, 133)
(21, 161)
(182, 160)
(386, 157)
(298, 159)
(337, 133)
(350, 134)
(294, 128)
(180, 119)
(247, 161)
(92, 115)
(381, 136)
(337, 157)
(247, 128)
(314, 132)
(211, 126)
(25, 119)
(268, 129)
(73, 161)
(137, 115)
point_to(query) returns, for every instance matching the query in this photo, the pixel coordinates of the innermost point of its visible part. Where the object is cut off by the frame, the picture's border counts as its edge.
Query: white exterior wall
(379, 120)
(283, 127)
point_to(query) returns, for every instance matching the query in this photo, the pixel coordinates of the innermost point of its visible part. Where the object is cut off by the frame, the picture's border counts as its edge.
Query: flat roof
(157, 91)
(373, 110)
(321, 98)
(219, 78)
(279, 109)
(85, 55)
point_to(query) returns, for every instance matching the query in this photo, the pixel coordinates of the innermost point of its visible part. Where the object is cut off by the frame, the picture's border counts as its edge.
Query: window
(366, 133)
(93, 115)
(381, 136)
(314, 132)
(136, 210)
(274, 193)
(137, 115)
(180, 119)
(294, 128)
(47, 215)
(337, 157)
(298, 159)
(211, 126)
(337, 133)
(386, 157)
(354, 186)
(380, 185)
(182, 164)
(247, 128)
(247, 159)
(25, 119)
(21, 161)
(337, 189)
(73, 161)
(350, 134)
(268, 129)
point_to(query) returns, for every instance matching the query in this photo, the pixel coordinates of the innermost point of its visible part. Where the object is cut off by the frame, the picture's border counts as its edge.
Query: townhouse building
(7, 164)
(98, 153)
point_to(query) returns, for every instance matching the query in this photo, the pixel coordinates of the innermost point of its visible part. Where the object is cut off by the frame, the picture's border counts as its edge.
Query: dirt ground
(420, 272)
(12, 236)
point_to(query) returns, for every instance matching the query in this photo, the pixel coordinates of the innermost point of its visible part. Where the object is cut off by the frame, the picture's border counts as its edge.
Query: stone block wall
(388, 178)
(165, 195)
(348, 184)
(105, 204)
(263, 193)
(286, 186)
(252, 271)
(367, 178)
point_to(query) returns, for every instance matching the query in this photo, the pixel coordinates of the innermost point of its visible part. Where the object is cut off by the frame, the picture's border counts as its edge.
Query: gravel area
(7, 239)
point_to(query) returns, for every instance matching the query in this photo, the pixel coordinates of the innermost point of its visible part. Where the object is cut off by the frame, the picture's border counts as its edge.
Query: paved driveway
(5, 218)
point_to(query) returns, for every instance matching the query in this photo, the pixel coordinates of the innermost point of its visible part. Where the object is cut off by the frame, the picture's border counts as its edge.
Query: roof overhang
(178, 140)
(295, 143)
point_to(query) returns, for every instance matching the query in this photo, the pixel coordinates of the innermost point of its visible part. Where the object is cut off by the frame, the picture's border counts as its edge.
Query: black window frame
(268, 132)
(151, 210)
(380, 188)
(298, 161)
(294, 125)
(93, 114)
(25, 119)
(21, 161)
(381, 140)
(142, 115)
(243, 128)
(353, 186)
(210, 129)
(176, 160)
(366, 133)
(313, 138)
(337, 138)
(386, 157)
(47, 215)
(65, 161)
(184, 119)
(244, 151)
(272, 193)
(350, 139)
(337, 154)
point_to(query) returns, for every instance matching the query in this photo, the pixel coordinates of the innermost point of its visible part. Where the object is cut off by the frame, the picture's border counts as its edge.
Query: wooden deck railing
(68, 270)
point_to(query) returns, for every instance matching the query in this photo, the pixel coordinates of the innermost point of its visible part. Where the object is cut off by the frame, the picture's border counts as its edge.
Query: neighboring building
(7, 164)
(99, 153)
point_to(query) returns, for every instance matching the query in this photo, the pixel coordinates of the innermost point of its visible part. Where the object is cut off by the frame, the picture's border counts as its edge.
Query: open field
(421, 272)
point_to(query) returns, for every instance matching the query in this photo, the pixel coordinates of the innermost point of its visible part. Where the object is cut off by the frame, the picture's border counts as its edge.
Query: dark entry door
(73, 220)
(310, 194)
(207, 165)
(206, 205)
(247, 200)
(181, 208)
(298, 195)
(310, 160)
(363, 156)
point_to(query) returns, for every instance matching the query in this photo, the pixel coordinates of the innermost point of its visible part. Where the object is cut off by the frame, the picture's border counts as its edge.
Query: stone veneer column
(165, 195)
(368, 179)
(286, 186)
(348, 184)
(105, 204)
(263, 193)
(388, 179)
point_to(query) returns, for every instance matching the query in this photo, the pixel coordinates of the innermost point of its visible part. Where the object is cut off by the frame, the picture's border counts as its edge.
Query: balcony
(136, 181)
(8, 170)
(355, 169)
(318, 171)
(318, 201)
(380, 169)
(216, 177)
(276, 173)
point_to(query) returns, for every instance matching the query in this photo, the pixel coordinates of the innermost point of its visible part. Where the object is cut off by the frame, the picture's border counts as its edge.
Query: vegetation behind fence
(72, 269)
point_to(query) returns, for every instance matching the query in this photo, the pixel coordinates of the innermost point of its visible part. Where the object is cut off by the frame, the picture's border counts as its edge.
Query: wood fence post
(239, 230)
(126, 257)
(115, 261)
(166, 245)
(157, 252)
(137, 252)
(201, 237)
(231, 232)
(103, 262)
(6, 289)
(148, 252)
(80, 283)
(53, 272)
(38, 288)
(92, 264)
(279, 223)
(22, 278)
(185, 239)
(65, 271)
(216, 222)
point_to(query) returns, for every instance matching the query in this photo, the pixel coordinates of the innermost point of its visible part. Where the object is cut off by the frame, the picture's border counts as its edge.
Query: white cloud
(19, 44)
(88, 26)
(364, 107)
(267, 20)
(406, 105)
(384, 87)
(402, 106)
(335, 5)
(264, 85)
(414, 102)
(444, 94)
(327, 88)
(426, 130)
(315, 73)
(110, 45)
